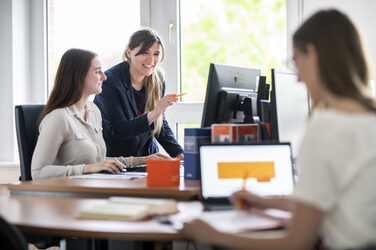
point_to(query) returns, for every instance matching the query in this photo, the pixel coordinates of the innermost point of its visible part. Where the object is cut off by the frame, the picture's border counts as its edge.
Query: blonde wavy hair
(153, 84)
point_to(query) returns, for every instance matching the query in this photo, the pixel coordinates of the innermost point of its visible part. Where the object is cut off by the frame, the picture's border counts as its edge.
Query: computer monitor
(227, 89)
(290, 108)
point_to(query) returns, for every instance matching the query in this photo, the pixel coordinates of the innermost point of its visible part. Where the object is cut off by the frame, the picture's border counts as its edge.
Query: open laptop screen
(268, 166)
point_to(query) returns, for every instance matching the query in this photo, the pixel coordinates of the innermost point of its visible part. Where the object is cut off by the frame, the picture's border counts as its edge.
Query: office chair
(27, 135)
(10, 237)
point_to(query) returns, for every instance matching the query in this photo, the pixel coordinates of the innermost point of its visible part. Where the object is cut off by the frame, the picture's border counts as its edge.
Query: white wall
(294, 19)
(22, 65)
(38, 52)
(362, 12)
(6, 81)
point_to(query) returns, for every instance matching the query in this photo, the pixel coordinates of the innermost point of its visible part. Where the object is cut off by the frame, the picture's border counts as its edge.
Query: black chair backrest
(27, 135)
(10, 237)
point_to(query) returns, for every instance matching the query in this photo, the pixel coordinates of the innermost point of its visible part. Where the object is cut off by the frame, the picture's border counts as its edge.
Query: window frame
(154, 15)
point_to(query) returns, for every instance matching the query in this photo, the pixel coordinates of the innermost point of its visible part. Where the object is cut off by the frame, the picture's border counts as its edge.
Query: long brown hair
(146, 37)
(69, 80)
(342, 62)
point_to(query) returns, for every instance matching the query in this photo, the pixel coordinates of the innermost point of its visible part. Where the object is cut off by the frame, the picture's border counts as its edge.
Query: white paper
(234, 221)
(123, 176)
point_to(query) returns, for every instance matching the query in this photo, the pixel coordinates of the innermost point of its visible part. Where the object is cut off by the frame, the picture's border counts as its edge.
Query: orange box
(163, 172)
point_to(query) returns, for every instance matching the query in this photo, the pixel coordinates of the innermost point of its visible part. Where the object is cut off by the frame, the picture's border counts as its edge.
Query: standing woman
(334, 196)
(70, 140)
(132, 102)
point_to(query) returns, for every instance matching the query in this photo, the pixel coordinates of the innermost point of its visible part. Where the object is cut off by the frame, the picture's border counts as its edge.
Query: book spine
(192, 140)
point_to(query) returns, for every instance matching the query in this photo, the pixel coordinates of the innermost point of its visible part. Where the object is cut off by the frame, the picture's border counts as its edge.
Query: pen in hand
(181, 94)
(240, 202)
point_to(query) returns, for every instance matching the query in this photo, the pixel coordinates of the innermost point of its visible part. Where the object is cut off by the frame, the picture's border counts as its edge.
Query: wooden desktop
(50, 216)
(66, 186)
(57, 216)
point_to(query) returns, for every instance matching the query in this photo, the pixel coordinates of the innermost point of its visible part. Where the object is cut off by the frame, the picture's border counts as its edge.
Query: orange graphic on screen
(263, 171)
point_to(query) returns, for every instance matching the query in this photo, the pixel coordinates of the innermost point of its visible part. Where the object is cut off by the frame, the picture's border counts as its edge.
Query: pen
(240, 202)
(181, 94)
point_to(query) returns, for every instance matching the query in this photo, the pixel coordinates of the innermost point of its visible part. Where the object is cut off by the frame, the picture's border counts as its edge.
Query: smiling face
(94, 78)
(144, 63)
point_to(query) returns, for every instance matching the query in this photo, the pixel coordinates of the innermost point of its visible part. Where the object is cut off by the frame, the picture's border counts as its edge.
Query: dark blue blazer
(125, 133)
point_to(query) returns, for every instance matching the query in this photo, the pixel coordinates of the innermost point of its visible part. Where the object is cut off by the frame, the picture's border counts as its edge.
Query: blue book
(193, 138)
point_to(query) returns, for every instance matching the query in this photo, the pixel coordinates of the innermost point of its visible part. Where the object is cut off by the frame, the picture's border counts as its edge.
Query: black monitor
(290, 108)
(230, 95)
(262, 94)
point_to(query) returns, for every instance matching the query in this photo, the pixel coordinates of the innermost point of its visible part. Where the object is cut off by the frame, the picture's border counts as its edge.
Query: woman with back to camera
(70, 140)
(132, 102)
(334, 196)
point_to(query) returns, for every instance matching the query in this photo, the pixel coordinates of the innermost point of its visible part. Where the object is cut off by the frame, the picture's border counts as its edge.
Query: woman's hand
(142, 160)
(110, 165)
(250, 200)
(200, 231)
(180, 156)
(157, 156)
(161, 107)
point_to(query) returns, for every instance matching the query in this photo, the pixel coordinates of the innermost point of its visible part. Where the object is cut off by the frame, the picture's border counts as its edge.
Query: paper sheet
(234, 221)
(122, 176)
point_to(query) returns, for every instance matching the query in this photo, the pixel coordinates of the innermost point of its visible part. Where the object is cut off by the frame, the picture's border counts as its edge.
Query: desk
(65, 186)
(57, 216)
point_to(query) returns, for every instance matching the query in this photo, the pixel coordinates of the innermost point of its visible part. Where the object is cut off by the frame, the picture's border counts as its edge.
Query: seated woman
(334, 196)
(70, 140)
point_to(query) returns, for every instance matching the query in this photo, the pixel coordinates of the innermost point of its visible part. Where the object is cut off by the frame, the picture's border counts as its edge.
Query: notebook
(222, 166)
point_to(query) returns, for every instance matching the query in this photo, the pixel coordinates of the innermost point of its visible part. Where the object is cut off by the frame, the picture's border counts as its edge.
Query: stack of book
(130, 209)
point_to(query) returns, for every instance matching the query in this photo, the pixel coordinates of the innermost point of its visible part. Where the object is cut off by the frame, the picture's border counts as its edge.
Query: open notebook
(222, 166)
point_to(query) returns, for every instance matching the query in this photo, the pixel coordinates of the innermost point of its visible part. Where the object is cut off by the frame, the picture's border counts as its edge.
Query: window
(100, 26)
(249, 33)
(180, 130)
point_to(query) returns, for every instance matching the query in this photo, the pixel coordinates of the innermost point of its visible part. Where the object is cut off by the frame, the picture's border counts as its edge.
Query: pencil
(240, 202)
(245, 177)
(181, 94)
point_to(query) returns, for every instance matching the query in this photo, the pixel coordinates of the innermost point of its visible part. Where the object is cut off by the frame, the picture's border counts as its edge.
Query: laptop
(223, 166)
